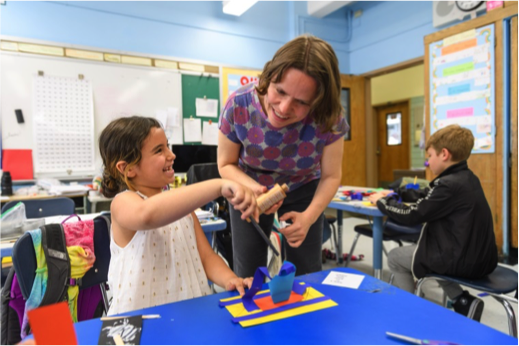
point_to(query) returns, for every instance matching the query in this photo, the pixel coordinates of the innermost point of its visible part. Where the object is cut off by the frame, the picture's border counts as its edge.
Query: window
(394, 128)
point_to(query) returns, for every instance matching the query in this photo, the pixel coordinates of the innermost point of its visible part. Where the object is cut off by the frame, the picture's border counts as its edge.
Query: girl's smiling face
(290, 100)
(155, 169)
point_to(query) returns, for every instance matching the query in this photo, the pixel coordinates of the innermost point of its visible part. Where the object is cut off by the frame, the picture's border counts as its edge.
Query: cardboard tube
(271, 197)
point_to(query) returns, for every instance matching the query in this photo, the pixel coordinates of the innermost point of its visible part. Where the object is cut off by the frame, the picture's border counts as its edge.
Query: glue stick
(271, 197)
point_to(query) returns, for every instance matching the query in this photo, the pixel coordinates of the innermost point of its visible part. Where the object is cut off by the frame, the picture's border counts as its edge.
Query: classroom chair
(39, 208)
(501, 281)
(330, 232)
(392, 231)
(24, 260)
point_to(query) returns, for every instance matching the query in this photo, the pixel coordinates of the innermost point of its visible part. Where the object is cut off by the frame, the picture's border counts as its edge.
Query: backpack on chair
(22, 276)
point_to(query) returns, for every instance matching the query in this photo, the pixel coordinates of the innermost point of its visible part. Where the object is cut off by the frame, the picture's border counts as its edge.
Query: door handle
(378, 151)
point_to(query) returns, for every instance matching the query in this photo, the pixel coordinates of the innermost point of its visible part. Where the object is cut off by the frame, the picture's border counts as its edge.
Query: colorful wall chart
(462, 89)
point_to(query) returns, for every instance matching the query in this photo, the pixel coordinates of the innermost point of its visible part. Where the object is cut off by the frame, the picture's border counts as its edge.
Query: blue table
(361, 317)
(356, 207)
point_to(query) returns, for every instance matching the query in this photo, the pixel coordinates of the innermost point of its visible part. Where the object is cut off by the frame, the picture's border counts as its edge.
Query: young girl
(159, 251)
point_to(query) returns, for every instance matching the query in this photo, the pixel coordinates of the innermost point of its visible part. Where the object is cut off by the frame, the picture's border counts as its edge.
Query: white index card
(343, 280)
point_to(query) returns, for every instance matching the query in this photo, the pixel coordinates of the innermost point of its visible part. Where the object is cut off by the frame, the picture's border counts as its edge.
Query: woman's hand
(238, 284)
(242, 198)
(297, 231)
(274, 208)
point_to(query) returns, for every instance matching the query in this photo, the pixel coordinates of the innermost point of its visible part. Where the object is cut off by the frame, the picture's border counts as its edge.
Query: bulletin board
(233, 78)
(117, 90)
(462, 87)
(199, 87)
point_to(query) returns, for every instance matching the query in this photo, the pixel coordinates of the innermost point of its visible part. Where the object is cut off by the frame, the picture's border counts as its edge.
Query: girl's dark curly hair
(122, 140)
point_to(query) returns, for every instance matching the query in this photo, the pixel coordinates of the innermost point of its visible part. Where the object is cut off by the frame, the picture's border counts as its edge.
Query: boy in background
(458, 236)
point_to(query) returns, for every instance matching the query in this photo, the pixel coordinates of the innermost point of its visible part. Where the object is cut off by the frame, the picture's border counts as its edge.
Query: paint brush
(264, 236)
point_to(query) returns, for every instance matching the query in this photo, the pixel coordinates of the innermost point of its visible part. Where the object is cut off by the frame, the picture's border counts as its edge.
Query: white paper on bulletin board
(63, 131)
(206, 107)
(462, 88)
(192, 130)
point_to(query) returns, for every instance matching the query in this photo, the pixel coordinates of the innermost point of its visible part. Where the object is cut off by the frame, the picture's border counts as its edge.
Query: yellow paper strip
(459, 37)
(6, 45)
(112, 57)
(166, 64)
(35, 48)
(84, 54)
(134, 60)
(238, 310)
(211, 69)
(191, 67)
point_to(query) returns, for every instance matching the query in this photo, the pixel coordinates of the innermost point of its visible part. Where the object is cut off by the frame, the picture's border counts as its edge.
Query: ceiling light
(237, 7)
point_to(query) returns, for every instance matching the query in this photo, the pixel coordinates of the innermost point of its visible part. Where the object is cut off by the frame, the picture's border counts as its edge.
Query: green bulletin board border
(194, 87)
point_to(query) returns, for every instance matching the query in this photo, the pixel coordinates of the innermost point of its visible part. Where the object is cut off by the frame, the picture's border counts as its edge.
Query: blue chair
(38, 208)
(24, 260)
(501, 281)
(392, 231)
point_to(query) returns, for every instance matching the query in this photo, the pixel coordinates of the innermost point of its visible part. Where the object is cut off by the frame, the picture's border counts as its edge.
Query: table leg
(377, 246)
(338, 246)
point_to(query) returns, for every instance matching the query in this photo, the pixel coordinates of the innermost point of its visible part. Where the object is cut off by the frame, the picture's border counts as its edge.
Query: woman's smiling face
(290, 100)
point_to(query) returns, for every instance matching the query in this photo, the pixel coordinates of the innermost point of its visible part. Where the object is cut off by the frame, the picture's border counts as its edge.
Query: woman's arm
(215, 268)
(228, 155)
(331, 173)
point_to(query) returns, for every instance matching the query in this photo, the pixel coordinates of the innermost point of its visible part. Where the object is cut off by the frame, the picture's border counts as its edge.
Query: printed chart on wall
(64, 125)
(462, 85)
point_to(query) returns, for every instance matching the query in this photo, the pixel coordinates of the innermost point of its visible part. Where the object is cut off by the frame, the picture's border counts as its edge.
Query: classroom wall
(397, 86)
(388, 32)
(196, 30)
(384, 34)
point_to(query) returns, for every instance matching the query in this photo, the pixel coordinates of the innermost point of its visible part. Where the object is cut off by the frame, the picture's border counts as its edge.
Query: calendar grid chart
(63, 117)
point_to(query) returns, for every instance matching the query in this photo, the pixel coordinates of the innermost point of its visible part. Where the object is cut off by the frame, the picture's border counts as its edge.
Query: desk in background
(359, 208)
(361, 317)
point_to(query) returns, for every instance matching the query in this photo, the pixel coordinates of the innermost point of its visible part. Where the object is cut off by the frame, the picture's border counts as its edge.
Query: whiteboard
(118, 90)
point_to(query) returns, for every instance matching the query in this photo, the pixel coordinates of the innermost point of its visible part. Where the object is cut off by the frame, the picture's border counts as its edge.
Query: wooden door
(513, 133)
(392, 140)
(354, 157)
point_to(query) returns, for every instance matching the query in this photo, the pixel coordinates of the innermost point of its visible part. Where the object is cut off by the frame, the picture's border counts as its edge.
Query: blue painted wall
(386, 33)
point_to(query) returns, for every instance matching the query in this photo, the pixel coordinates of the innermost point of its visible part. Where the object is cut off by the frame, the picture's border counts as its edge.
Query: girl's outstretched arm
(131, 212)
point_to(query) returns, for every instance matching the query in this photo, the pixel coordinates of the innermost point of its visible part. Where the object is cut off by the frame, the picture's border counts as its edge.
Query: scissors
(419, 341)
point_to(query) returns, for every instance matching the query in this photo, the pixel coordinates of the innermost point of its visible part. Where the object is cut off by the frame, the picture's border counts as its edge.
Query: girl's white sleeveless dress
(157, 267)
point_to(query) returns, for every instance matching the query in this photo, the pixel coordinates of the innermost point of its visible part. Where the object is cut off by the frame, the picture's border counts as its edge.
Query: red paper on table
(52, 325)
(18, 162)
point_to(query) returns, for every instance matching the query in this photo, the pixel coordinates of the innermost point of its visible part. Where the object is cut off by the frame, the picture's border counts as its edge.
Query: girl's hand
(242, 198)
(297, 231)
(238, 284)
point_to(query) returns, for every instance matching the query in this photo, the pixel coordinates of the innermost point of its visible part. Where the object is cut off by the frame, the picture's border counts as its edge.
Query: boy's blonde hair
(458, 140)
